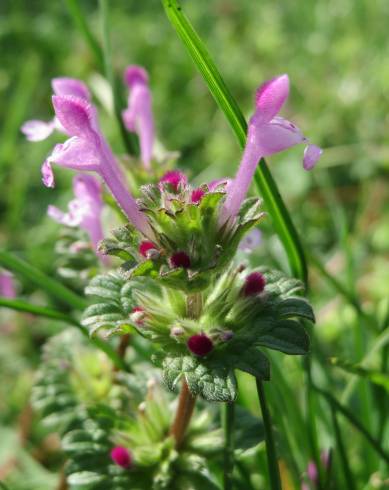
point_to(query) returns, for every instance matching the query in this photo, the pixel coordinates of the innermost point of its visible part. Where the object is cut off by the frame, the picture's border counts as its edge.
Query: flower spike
(267, 134)
(138, 117)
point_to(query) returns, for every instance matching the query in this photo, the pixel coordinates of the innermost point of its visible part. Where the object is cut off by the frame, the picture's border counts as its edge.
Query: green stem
(375, 444)
(19, 305)
(348, 476)
(80, 21)
(129, 139)
(272, 462)
(51, 286)
(228, 419)
(219, 90)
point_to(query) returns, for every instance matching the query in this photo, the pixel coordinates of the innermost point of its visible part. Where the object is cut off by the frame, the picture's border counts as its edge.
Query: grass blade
(51, 286)
(267, 186)
(82, 25)
(337, 406)
(228, 418)
(348, 476)
(20, 305)
(274, 473)
(129, 139)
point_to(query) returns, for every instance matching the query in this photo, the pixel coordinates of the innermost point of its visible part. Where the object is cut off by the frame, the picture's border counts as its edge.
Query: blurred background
(336, 54)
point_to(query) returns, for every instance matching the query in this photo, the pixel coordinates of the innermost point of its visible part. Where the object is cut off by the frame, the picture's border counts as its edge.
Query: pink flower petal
(312, 153)
(35, 130)
(223, 184)
(78, 154)
(271, 96)
(76, 115)
(70, 86)
(135, 74)
(139, 115)
(68, 219)
(47, 174)
(7, 286)
(275, 136)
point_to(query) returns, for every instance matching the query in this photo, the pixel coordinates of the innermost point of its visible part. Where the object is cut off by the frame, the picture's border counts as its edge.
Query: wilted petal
(271, 96)
(70, 86)
(47, 174)
(277, 135)
(312, 153)
(76, 153)
(35, 130)
(76, 115)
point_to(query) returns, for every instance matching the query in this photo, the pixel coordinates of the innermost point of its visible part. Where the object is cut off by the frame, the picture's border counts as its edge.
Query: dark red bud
(197, 195)
(145, 247)
(200, 344)
(180, 259)
(174, 178)
(121, 456)
(254, 284)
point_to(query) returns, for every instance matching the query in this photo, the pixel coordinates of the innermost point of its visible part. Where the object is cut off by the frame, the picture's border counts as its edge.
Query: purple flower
(7, 286)
(200, 344)
(85, 210)
(138, 117)
(267, 134)
(87, 151)
(36, 130)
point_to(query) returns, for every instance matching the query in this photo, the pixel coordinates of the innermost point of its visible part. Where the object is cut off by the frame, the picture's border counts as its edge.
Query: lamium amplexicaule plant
(143, 392)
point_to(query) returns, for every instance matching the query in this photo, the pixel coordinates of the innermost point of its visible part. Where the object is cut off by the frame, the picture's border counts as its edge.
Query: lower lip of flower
(200, 345)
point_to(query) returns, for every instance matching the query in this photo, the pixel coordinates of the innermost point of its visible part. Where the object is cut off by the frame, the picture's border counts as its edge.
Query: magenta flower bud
(200, 344)
(121, 456)
(254, 284)
(138, 315)
(146, 247)
(180, 259)
(175, 178)
(197, 195)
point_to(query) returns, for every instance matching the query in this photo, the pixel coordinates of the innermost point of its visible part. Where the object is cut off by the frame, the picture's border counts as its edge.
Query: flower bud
(147, 249)
(175, 178)
(180, 259)
(176, 331)
(137, 315)
(121, 456)
(197, 195)
(254, 284)
(200, 344)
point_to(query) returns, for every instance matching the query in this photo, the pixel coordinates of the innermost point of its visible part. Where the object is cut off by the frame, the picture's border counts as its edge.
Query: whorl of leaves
(113, 303)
